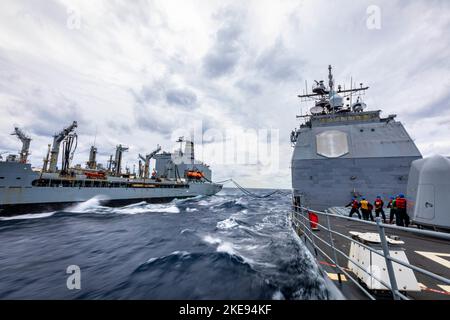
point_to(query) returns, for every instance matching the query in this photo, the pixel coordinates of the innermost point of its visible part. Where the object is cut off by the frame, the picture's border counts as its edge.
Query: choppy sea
(227, 246)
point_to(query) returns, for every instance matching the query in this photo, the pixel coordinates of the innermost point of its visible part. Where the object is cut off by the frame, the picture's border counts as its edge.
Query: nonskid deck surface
(425, 252)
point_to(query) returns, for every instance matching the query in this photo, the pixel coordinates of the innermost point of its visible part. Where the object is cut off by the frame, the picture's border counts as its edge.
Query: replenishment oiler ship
(26, 190)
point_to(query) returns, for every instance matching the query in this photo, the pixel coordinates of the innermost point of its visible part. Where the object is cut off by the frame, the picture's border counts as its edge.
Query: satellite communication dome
(317, 110)
(336, 101)
(358, 106)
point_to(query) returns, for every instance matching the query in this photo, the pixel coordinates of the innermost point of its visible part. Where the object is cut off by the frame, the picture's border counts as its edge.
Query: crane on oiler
(120, 149)
(57, 139)
(25, 151)
(147, 159)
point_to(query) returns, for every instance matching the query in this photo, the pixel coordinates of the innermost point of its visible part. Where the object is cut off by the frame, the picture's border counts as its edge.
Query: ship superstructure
(342, 150)
(25, 190)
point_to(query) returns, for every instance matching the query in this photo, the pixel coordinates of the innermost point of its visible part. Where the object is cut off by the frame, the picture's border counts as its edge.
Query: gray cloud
(140, 71)
(119, 127)
(182, 97)
(151, 118)
(154, 124)
(47, 119)
(439, 107)
(249, 86)
(227, 48)
(43, 12)
(280, 64)
(154, 114)
(147, 94)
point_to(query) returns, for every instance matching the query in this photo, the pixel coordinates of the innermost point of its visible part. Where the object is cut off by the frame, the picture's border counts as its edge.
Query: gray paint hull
(19, 195)
(35, 199)
(333, 182)
(61, 194)
(375, 160)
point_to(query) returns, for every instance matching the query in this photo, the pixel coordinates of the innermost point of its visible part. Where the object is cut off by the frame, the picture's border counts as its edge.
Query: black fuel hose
(247, 192)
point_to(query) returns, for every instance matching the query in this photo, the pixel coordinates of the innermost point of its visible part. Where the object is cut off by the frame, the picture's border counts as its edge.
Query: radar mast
(330, 101)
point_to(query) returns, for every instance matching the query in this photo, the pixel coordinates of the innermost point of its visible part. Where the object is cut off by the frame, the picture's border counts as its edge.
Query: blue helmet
(378, 197)
(363, 198)
(401, 195)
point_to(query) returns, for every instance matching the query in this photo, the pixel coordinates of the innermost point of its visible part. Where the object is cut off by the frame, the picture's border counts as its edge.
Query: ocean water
(228, 246)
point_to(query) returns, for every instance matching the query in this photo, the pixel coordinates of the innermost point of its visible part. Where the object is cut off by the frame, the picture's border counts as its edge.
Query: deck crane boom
(147, 159)
(57, 139)
(25, 144)
(120, 149)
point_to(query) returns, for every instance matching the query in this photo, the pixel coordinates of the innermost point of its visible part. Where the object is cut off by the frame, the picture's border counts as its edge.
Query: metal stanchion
(387, 257)
(334, 250)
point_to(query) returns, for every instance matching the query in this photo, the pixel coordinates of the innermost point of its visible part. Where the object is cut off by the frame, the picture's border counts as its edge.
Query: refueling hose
(247, 192)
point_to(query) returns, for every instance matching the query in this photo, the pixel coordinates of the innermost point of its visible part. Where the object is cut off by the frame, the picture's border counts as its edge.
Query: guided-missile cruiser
(343, 153)
(342, 150)
(26, 190)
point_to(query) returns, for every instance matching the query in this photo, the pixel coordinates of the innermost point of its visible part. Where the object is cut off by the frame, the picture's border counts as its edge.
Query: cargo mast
(147, 159)
(57, 139)
(25, 144)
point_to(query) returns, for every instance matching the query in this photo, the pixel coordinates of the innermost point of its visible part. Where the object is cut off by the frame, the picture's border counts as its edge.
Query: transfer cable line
(249, 193)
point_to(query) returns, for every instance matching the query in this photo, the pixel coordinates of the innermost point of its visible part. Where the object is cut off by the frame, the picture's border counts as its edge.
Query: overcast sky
(137, 71)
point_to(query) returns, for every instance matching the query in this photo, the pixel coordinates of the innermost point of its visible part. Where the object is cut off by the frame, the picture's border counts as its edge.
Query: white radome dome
(336, 101)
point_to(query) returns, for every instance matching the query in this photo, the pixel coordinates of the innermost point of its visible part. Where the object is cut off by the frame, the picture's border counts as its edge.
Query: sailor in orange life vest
(403, 217)
(379, 208)
(366, 209)
(355, 207)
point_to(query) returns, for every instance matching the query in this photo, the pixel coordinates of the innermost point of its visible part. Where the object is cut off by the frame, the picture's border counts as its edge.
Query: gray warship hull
(343, 153)
(21, 193)
(340, 156)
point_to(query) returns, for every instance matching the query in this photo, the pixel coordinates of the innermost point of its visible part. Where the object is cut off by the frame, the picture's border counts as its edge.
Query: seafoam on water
(228, 246)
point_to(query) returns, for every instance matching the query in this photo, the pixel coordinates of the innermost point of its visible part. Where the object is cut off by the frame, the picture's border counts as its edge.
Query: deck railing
(300, 217)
